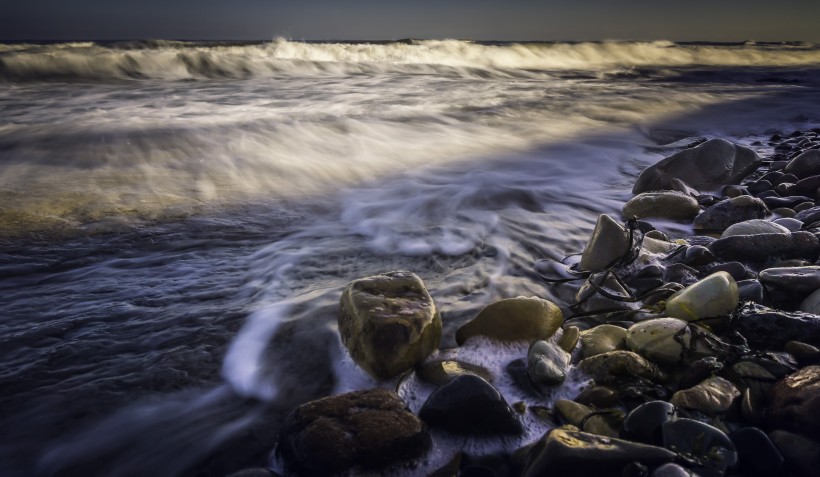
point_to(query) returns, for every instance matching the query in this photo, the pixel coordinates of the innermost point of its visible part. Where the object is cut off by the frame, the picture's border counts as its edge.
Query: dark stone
(568, 453)
(759, 186)
(805, 164)
(735, 191)
(763, 247)
(443, 371)
(371, 429)
(468, 404)
(259, 472)
(809, 216)
(644, 423)
(790, 201)
(777, 165)
(697, 370)
(680, 273)
(517, 370)
(795, 403)
(671, 470)
(771, 176)
(767, 328)
(708, 166)
(757, 454)
(737, 270)
(709, 451)
(730, 211)
(802, 454)
(698, 256)
(750, 290)
(790, 223)
(703, 240)
(807, 186)
(600, 397)
(797, 280)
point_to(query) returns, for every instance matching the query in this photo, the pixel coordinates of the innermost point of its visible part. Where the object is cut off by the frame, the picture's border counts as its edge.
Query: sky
(689, 20)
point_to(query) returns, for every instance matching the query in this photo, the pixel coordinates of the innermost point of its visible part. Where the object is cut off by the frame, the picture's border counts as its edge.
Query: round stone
(662, 340)
(662, 204)
(754, 226)
(514, 319)
(713, 296)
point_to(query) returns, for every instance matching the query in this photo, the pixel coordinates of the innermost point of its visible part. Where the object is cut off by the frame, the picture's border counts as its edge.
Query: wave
(175, 60)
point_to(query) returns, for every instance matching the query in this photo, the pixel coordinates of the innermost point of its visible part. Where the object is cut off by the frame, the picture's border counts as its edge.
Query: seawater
(177, 219)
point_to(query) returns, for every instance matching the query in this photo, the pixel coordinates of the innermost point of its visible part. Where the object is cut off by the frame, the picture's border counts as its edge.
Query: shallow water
(177, 220)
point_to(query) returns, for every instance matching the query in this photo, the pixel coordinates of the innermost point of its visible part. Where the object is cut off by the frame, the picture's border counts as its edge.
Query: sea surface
(177, 219)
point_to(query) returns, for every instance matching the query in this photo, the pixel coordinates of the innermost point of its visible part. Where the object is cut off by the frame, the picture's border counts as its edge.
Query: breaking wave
(175, 60)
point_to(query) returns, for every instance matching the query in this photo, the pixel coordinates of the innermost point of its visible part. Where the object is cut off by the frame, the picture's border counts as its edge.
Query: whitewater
(177, 219)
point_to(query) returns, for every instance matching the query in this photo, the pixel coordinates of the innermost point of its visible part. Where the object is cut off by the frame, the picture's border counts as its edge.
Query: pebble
(757, 454)
(763, 247)
(752, 227)
(713, 296)
(602, 339)
(547, 363)
(712, 396)
(795, 403)
(470, 405)
(609, 242)
(802, 280)
(662, 340)
(791, 224)
(730, 211)
(644, 423)
(514, 319)
(662, 204)
(712, 450)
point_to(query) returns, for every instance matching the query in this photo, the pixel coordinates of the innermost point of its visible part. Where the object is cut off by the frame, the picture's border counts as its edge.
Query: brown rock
(795, 403)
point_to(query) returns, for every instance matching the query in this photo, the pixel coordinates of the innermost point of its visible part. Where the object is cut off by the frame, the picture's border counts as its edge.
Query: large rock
(805, 165)
(514, 319)
(802, 454)
(389, 323)
(708, 166)
(663, 204)
(616, 366)
(763, 247)
(795, 403)
(608, 243)
(602, 339)
(712, 396)
(662, 340)
(753, 227)
(568, 453)
(767, 328)
(371, 429)
(708, 449)
(470, 405)
(729, 212)
(799, 280)
(713, 296)
(808, 216)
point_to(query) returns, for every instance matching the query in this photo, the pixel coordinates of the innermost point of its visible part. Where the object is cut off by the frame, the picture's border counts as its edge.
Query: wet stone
(514, 319)
(737, 270)
(804, 165)
(443, 371)
(569, 338)
(757, 454)
(662, 204)
(795, 403)
(754, 226)
(471, 405)
(371, 429)
(759, 186)
(803, 206)
(602, 339)
(547, 363)
(788, 201)
(798, 280)
(698, 256)
(645, 422)
(763, 247)
(616, 366)
(750, 290)
(730, 211)
(671, 470)
(784, 212)
(709, 450)
(768, 328)
(713, 296)
(793, 225)
(680, 273)
(802, 455)
(601, 397)
(712, 396)
(803, 352)
(609, 242)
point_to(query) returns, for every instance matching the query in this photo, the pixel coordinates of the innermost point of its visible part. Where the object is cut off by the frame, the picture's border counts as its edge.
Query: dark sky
(713, 20)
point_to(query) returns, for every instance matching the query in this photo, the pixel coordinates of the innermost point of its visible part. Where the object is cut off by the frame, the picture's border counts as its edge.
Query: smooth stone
(697, 370)
(759, 186)
(712, 450)
(802, 352)
(600, 397)
(802, 454)
(737, 270)
(662, 204)
(786, 178)
(803, 207)
(784, 212)
(807, 186)
(703, 240)
(795, 403)
(657, 235)
(710, 165)
(754, 226)
(654, 246)
(750, 290)
(389, 323)
(805, 165)
(661, 340)
(443, 371)
(763, 247)
(712, 396)
(671, 470)
(514, 319)
(791, 224)
(614, 366)
(371, 429)
(788, 201)
(698, 256)
(734, 191)
(602, 339)
(608, 243)
(644, 423)
(777, 192)
(729, 212)
(569, 453)
(680, 273)
(257, 472)
(715, 295)
(767, 328)
(757, 454)
(569, 338)
(547, 363)
(591, 299)
(585, 418)
(809, 215)
(457, 406)
(799, 280)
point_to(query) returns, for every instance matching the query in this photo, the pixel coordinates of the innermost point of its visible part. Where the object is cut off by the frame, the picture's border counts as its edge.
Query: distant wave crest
(174, 60)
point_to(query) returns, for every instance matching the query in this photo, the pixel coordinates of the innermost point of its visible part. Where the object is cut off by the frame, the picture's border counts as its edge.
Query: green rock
(602, 339)
(712, 396)
(388, 323)
(662, 204)
(569, 338)
(662, 340)
(712, 296)
(514, 319)
(615, 366)
(754, 226)
(609, 242)
(547, 363)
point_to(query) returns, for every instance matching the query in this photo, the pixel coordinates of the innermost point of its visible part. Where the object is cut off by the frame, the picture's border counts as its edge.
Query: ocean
(177, 219)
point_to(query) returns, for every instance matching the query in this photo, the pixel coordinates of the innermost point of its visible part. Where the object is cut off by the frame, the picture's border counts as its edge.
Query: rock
(615, 366)
(514, 319)
(753, 227)
(759, 186)
(729, 212)
(797, 280)
(802, 455)
(805, 165)
(371, 429)
(808, 215)
(784, 212)
(795, 403)
(698, 256)
(443, 371)
(470, 405)
(715, 295)
(594, 422)
(569, 338)
(602, 339)
(793, 225)
(713, 396)
(710, 450)
(568, 453)
(671, 470)
(388, 323)
(737, 270)
(750, 290)
(803, 206)
(708, 166)
(654, 246)
(590, 297)
(600, 397)
(644, 423)
(807, 186)
(547, 363)
(662, 340)
(757, 454)
(258, 472)
(680, 273)
(608, 243)
(763, 247)
(787, 202)
(662, 204)
(767, 328)
(804, 353)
